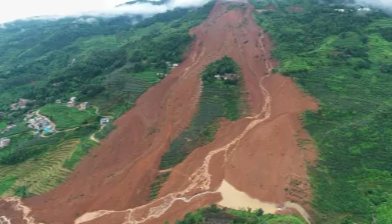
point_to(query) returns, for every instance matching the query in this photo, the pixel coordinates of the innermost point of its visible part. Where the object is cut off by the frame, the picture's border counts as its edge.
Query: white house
(105, 120)
(364, 9)
(83, 106)
(71, 102)
(4, 142)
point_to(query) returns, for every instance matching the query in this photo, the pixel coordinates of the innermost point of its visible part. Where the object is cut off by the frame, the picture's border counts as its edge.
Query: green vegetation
(344, 60)
(3, 125)
(105, 131)
(213, 214)
(66, 117)
(82, 149)
(19, 129)
(219, 98)
(155, 186)
(37, 175)
(6, 184)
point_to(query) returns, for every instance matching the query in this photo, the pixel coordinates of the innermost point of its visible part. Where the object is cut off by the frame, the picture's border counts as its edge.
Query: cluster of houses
(170, 65)
(8, 128)
(21, 104)
(364, 9)
(161, 75)
(227, 76)
(72, 103)
(4, 142)
(39, 123)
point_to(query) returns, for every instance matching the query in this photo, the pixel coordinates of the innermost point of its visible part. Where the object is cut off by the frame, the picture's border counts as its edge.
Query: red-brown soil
(259, 155)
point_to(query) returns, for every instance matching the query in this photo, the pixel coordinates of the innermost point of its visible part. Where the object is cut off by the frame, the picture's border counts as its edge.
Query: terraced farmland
(38, 175)
(122, 91)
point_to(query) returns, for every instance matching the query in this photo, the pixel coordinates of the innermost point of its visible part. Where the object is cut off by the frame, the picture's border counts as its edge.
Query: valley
(240, 112)
(258, 155)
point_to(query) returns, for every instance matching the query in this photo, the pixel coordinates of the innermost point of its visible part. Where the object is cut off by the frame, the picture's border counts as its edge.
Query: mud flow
(254, 162)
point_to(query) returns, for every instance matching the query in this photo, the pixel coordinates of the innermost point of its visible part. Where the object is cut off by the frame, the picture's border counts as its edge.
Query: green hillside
(108, 62)
(213, 214)
(343, 58)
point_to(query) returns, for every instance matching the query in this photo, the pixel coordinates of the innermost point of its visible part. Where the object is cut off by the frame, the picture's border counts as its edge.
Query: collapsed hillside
(255, 157)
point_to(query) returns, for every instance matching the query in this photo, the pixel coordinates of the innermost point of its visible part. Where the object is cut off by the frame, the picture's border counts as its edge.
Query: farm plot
(38, 175)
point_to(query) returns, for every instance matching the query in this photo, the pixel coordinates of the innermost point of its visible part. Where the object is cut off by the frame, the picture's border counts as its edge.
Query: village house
(28, 116)
(161, 74)
(38, 123)
(58, 101)
(172, 65)
(105, 120)
(8, 128)
(21, 104)
(4, 142)
(48, 129)
(71, 102)
(364, 9)
(83, 106)
(227, 77)
(15, 106)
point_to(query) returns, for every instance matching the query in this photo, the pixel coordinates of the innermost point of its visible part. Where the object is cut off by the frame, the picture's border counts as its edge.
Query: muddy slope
(258, 156)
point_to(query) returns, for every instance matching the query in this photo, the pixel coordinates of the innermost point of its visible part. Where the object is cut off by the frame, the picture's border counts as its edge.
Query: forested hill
(80, 53)
(342, 55)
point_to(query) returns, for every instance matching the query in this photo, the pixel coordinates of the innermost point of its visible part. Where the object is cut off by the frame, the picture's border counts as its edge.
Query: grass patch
(6, 184)
(66, 117)
(3, 125)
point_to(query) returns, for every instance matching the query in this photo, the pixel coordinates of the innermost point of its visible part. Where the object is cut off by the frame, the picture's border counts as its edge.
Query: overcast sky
(19, 9)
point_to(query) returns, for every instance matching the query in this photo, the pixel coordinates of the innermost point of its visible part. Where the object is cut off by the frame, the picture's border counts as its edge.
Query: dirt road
(258, 156)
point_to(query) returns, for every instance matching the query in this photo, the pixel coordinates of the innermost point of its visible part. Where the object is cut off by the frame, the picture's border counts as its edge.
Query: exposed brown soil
(259, 155)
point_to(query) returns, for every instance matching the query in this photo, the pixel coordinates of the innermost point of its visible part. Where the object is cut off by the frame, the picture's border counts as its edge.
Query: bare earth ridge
(254, 162)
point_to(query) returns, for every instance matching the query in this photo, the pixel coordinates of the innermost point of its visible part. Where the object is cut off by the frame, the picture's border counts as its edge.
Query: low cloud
(381, 4)
(186, 3)
(54, 9)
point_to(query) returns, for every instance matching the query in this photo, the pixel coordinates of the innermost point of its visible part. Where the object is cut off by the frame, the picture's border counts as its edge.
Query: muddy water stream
(235, 199)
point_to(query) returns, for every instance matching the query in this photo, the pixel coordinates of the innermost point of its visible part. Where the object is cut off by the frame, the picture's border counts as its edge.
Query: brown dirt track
(259, 155)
